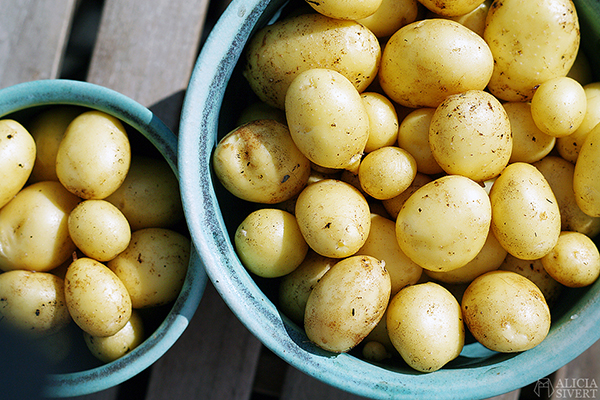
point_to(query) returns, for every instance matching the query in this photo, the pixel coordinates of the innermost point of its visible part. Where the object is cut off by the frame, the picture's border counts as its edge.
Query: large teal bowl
(82, 374)
(215, 94)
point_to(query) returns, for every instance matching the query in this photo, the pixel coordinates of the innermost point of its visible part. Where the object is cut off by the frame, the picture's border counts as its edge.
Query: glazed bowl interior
(81, 373)
(215, 97)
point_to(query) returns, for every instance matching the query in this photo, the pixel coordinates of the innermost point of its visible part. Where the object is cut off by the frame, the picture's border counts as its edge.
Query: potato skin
(279, 52)
(17, 158)
(585, 179)
(347, 303)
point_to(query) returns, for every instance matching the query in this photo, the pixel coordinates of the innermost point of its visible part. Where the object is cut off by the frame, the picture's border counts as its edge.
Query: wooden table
(146, 49)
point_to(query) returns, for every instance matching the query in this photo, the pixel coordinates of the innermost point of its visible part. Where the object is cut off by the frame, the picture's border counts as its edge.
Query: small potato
(383, 121)
(391, 16)
(444, 224)
(558, 106)
(559, 174)
(259, 162)
(530, 144)
(574, 261)
(17, 158)
(153, 267)
(94, 155)
(489, 258)
(334, 218)
(32, 303)
(474, 20)
(505, 312)
(451, 8)
(525, 213)
(48, 128)
(327, 118)
(277, 53)
(535, 272)
(347, 303)
(529, 51)
(470, 135)
(382, 245)
(428, 60)
(97, 299)
(387, 172)
(295, 287)
(110, 348)
(425, 325)
(270, 243)
(346, 9)
(586, 184)
(34, 233)
(99, 229)
(393, 205)
(413, 136)
(149, 195)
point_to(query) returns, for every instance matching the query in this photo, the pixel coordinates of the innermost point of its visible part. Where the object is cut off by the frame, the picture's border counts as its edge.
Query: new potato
(17, 158)
(387, 172)
(585, 177)
(110, 348)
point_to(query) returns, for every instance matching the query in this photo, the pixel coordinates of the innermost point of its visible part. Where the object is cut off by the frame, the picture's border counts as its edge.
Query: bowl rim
(197, 139)
(71, 92)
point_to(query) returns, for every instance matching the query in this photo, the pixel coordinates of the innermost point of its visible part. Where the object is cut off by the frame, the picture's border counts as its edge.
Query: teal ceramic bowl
(215, 95)
(81, 373)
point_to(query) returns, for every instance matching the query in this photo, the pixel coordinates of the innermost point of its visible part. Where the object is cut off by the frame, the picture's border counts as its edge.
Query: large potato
(506, 312)
(279, 52)
(392, 206)
(327, 118)
(470, 135)
(94, 155)
(32, 303)
(525, 212)
(532, 42)
(428, 60)
(585, 179)
(425, 325)
(347, 303)
(97, 299)
(34, 233)
(445, 223)
(17, 158)
(259, 162)
(334, 218)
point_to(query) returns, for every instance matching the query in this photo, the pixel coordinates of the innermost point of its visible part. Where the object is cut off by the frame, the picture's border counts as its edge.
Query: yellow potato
(270, 243)
(149, 195)
(451, 8)
(334, 218)
(425, 325)
(559, 173)
(391, 16)
(94, 155)
(530, 144)
(383, 121)
(387, 172)
(34, 233)
(574, 261)
(153, 267)
(505, 312)
(382, 244)
(427, 60)
(259, 162)
(558, 106)
(96, 298)
(277, 53)
(17, 158)
(585, 177)
(112, 347)
(470, 135)
(347, 303)
(535, 272)
(393, 205)
(99, 229)
(474, 20)
(346, 9)
(32, 303)
(532, 42)
(327, 118)
(413, 136)
(525, 213)
(445, 223)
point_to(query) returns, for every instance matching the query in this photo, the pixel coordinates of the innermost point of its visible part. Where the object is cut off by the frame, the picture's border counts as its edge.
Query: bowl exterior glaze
(207, 115)
(22, 97)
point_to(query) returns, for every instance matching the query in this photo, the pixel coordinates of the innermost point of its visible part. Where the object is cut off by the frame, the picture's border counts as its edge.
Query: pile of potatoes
(87, 232)
(419, 170)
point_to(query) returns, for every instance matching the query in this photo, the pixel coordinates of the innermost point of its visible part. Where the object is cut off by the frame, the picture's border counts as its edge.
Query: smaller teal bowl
(82, 374)
(216, 95)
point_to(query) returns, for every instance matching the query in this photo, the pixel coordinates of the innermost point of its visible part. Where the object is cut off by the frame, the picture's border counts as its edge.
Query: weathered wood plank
(33, 38)
(582, 373)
